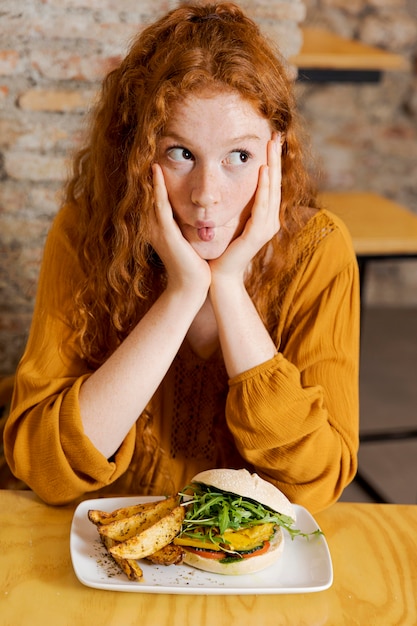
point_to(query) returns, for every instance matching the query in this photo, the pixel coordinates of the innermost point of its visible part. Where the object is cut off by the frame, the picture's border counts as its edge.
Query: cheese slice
(196, 543)
(249, 538)
(244, 539)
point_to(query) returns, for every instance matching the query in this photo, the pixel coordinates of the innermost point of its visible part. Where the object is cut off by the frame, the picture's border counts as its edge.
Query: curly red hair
(191, 48)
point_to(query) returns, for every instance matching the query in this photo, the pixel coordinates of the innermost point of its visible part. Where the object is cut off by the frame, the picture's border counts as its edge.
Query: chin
(210, 251)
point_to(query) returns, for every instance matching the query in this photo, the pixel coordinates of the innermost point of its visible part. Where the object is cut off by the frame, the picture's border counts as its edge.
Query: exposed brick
(4, 93)
(285, 35)
(44, 136)
(20, 230)
(35, 167)
(412, 102)
(63, 65)
(274, 10)
(391, 29)
(29, 201)
(387, 3)
(352, 6)
(147, 6)
(45, 27)
(9, 60)
(10, 131)
(12, 198)
(56, 100)
(45, 200)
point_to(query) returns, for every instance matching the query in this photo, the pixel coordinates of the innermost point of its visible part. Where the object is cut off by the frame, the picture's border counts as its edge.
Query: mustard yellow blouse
(293, 419)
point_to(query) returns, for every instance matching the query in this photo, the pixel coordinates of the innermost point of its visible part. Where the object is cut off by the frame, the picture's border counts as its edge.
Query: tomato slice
(262, 549)
(212, 554)
(207, 554)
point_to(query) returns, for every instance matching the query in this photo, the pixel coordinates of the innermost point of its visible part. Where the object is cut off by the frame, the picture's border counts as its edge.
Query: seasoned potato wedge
(123, 529)
(169, 555)
(152, 539)
(100, 518)
(130, 567)
(141, 531)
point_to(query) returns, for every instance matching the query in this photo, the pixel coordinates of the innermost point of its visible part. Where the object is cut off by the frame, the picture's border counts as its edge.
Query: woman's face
(210, 153)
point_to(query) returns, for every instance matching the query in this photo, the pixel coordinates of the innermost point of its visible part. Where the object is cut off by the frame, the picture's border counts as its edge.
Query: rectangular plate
(304, 567)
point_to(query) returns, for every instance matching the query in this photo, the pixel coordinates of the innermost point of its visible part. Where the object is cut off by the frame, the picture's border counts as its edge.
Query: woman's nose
(205, 190)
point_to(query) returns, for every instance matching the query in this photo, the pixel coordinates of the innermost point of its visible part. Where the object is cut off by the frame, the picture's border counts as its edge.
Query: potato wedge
(100, 518)
(168, 555)
(123, 529)
(130, 567)
(155, 537)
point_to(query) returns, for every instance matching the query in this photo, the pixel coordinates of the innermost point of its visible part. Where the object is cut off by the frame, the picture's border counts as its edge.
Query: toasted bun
(247, 485)
(245, 566)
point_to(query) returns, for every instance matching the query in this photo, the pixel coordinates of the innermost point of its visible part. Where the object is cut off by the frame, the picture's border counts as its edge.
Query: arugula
(210, 512)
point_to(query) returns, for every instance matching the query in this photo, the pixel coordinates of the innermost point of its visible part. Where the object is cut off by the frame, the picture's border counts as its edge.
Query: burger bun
(251, 486)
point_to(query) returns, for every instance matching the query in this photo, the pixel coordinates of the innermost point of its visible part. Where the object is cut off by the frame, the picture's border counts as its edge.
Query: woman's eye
(180, 154)
(238, 157)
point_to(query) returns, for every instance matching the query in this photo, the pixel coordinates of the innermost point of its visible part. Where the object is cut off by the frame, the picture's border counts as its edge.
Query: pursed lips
(205, 230)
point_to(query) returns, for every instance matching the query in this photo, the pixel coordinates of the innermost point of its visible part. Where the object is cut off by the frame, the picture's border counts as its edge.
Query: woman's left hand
(263, 222)
(244, 340)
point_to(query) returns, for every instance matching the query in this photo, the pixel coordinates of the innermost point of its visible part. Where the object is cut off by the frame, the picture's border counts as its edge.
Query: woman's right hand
(185, 268)
(124, 384)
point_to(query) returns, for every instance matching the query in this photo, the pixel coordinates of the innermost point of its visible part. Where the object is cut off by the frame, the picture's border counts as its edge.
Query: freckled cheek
(247, 191)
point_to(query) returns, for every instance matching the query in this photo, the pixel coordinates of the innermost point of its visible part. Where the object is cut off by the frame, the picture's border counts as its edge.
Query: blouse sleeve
(295, 417)
(44, 440)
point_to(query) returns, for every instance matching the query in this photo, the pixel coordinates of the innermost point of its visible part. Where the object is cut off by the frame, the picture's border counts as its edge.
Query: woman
(195, 308)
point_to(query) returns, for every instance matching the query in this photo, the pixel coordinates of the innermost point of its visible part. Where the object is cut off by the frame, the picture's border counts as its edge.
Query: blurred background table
(380, 228)
(328, 57)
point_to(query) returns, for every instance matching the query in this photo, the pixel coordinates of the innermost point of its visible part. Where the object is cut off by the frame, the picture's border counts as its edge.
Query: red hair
(191, 48)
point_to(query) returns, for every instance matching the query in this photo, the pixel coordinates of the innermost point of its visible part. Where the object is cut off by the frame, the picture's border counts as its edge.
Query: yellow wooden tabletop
(378, 226)
(324, 49)
(373, 550)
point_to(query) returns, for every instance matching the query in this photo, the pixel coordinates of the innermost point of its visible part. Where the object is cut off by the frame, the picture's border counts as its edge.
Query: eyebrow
(232, 140)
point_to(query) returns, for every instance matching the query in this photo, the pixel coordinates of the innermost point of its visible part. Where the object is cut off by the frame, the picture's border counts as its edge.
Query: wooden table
(326, 56)
(380, 228)
(373, 550)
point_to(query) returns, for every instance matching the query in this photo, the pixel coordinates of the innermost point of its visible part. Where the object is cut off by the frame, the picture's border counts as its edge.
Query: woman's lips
(205, 230)
(206, 233)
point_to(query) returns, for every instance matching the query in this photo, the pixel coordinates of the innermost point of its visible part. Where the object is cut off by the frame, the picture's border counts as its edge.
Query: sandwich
(234, 522)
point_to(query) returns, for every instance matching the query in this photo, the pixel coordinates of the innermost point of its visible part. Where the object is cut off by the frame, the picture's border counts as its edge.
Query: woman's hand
(185, 268)
(244, 340)
(127, 380)
(263, 222)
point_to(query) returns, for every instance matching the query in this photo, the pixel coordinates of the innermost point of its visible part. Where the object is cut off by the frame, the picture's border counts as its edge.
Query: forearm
(56, 459)
(299, 436)
(114, 396)
(244, 340)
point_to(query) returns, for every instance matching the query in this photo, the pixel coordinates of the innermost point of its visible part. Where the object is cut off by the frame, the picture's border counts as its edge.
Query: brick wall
(53, 54)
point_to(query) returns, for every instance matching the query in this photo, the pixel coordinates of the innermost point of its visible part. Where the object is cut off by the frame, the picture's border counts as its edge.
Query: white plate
(304, 567)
